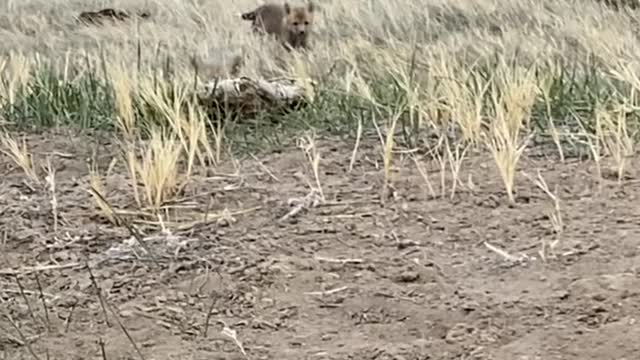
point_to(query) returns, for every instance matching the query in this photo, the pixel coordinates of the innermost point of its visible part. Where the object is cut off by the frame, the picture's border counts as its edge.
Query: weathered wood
(248, 97)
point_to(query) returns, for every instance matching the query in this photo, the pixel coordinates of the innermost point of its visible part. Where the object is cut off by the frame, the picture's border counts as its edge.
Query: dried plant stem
(24, 339)
(44, 302)
(126, 332)
(99, 294)
(425, 176)
(357, 144)
(24, 297)
(51, 182)
(103, 353)
(455, 159)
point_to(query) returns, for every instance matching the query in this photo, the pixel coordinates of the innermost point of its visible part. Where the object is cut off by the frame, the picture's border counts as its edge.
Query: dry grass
(189, 125)
(182, 29)
(98, 195)
(512, 112)
(617, 141)
(16, 72)
(50, 180)
(439, 58)
(443, 78)
(20, 155)
(308, 146)
(158, 168)
(121, 81)
(554, 215)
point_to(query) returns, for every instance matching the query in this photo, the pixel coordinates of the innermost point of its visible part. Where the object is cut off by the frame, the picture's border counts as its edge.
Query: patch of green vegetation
(49, 101)
(87, 102)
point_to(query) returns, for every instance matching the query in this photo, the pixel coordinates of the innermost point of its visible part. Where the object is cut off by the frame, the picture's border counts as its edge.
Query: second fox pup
(290, 24)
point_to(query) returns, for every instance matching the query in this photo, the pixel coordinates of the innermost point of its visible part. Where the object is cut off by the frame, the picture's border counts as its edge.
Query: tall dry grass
(458, 28)
(403, 66)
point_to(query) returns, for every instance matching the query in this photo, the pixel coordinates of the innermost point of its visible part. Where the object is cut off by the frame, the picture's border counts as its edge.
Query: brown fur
(290, 24)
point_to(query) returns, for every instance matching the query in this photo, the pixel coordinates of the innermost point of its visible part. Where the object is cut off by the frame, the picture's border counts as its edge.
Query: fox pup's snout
(300, 28)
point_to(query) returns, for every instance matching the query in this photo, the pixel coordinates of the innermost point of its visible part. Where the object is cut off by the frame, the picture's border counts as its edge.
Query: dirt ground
(351, 278)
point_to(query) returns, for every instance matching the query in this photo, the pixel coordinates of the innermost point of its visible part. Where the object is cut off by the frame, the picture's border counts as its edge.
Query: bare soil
(352, 278)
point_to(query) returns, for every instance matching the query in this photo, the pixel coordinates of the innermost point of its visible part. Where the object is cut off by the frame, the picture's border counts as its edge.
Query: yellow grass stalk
(611, 129)
(513, 95)
(96, 184)
(20, 155)
(187, 121)
(121, 81)
(158, 167)
(462, 93)
(15, 70)
(123, 87)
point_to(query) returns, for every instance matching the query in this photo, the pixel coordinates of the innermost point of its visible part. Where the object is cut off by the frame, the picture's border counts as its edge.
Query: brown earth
(348, 279)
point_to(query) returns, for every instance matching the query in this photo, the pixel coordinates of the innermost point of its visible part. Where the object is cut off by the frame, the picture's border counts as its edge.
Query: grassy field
(462, 184)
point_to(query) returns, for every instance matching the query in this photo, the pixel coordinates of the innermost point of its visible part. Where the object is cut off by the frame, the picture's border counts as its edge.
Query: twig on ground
(67, 321)
(503, 253)
(27, 292)
(135, 346)
(130, 227)
(10, 338)
(355, 147)
(4, 245)
(312, 199)
(44, 302)
(24, 297)
(209, 217)
(425, 176)
(22, 337)
(50, 180)
(233, 335)
(339, 261)
(99, 293)
(106, 305)
(31, 269)
(208, 317)
(103, 353)
(308, 145)
(327, 292)
(265, 169)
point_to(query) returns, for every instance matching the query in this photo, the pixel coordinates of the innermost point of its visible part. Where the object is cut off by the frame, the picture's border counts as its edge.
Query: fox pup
(290, 24)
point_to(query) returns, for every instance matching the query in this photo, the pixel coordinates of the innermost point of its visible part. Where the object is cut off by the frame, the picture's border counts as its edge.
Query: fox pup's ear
(287, 8)
(310, 6)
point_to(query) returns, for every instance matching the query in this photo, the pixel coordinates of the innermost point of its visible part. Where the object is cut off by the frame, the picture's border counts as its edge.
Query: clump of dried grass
(615, 137)
(158, 168)
(511, 110)
(154, 165)
(20, 155)
(15, 70)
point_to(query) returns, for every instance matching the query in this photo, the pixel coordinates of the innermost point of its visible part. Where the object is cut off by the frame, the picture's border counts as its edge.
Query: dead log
(245, 97)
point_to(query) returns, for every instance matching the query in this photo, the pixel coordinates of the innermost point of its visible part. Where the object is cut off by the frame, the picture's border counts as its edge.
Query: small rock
(406, 244)
(408, 276)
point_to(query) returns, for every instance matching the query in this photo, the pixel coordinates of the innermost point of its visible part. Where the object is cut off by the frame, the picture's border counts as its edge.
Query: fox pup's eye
(295, 23)
(306, 23)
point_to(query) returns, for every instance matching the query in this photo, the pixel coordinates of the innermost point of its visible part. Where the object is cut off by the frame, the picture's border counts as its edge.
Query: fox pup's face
(299, 18)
